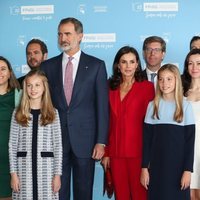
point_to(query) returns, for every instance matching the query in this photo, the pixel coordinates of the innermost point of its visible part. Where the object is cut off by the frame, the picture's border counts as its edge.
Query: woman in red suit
(129, 96)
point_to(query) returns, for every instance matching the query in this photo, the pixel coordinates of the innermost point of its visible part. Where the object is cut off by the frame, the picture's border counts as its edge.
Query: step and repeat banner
(108, 25)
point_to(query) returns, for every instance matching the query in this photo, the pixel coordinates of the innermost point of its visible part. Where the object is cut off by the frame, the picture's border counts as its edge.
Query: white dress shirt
(75, 62)
(149, 72)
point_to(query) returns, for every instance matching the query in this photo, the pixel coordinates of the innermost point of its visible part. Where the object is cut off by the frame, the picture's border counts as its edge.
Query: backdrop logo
(160, 7)
(35, 10)
(99, 41)
(25, 69)
(167, 36)
(21, 40)
(16, 68)
(99, 37)
(100, 9)
(81, 9)
(138, 7)
(14, 10)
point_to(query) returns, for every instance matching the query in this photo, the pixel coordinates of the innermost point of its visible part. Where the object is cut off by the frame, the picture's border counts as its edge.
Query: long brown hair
(12, 81)
(178, 114)
(47, 110)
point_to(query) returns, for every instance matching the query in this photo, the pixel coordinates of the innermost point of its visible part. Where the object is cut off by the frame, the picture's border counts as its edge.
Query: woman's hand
(144, 178)
(185, 180)
(105, 162)
(98, 151)
(56, 183)
(15, 184)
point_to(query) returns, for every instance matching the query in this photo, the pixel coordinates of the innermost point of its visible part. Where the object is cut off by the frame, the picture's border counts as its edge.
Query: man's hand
(98, 151)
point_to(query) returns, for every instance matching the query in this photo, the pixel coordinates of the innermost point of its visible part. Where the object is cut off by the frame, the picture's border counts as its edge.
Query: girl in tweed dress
(35, 146)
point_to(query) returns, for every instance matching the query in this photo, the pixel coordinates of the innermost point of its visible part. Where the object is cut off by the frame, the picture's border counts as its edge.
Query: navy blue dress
(168, 151)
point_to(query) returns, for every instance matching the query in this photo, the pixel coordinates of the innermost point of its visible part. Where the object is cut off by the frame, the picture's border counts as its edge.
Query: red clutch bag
(108, 184)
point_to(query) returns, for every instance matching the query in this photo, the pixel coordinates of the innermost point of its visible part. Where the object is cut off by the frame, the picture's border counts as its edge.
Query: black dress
(168, 151)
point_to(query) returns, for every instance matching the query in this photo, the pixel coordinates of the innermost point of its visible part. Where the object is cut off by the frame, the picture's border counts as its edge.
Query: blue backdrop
(108, 25)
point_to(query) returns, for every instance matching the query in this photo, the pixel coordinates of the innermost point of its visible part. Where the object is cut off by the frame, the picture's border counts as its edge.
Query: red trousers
(126, 178)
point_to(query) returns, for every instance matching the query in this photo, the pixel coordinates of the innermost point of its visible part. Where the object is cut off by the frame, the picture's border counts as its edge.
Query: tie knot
(153, 76)
(70, 58)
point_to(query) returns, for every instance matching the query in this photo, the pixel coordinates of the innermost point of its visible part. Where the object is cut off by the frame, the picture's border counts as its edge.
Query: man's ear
(45, 56)
(163, 55)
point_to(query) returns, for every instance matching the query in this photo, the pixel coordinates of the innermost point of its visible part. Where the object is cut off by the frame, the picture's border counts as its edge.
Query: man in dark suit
(154, 49)
(84, 118)
(36, 52)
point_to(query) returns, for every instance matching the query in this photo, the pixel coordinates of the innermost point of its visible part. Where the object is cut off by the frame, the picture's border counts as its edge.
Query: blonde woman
(35, 147)
(168, 140)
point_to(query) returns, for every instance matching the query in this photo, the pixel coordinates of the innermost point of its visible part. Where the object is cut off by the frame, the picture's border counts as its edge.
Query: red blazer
(126, 120)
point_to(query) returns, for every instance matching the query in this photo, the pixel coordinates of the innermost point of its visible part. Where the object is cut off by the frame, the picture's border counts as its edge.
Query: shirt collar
(149, 71)
(76, 56)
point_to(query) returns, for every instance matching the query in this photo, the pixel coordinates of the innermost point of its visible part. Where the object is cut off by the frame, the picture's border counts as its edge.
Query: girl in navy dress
(168, 140)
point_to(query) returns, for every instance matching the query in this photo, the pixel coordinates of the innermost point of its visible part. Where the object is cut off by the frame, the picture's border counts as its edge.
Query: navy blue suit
(84, 122)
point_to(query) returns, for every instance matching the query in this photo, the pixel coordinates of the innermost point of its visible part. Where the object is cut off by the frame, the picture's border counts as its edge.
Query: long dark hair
(12, 82)
(116, 79)
(186, 78)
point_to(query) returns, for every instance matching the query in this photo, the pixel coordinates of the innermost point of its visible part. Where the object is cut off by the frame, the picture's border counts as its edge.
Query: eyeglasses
(150, 50)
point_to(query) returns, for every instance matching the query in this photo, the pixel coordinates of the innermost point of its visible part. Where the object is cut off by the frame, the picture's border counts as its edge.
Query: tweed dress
(48, 158)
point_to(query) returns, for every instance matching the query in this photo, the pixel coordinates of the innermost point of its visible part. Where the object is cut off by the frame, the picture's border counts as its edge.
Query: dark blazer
(20, 80)
(144, 74)
(85, 121)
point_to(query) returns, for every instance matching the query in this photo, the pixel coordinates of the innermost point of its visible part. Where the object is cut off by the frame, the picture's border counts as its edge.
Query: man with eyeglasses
(154, 49)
